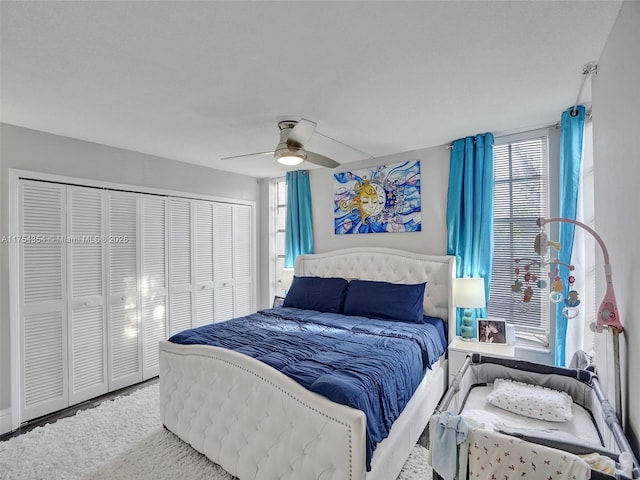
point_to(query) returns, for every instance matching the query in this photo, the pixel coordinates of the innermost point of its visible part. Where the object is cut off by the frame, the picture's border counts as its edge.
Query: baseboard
(5, 421)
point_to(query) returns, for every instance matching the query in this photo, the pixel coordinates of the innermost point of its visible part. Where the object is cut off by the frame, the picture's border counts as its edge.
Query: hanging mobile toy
(557, 286)
(522, 289)
(541, 244)
(572, 301)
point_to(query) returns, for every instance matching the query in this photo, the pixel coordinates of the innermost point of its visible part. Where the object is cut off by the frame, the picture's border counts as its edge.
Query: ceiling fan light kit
(289, 159)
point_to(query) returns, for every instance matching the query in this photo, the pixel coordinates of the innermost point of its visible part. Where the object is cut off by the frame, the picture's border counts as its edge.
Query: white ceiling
(198, 81)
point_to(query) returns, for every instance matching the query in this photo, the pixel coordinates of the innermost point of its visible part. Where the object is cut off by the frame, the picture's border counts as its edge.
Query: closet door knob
(124, 297)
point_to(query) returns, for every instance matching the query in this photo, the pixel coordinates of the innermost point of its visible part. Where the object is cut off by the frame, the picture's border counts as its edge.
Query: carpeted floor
(124, 439)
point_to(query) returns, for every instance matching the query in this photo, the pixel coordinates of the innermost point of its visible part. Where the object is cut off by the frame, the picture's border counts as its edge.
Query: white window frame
(277, 213)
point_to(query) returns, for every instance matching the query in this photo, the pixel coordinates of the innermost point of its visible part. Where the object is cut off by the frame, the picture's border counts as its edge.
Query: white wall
(26, 149)
(434, 173)
(616, 132)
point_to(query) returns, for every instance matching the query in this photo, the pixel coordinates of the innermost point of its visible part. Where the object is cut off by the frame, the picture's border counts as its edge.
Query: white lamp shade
(290, 159)
(286, 277)
(469, 293)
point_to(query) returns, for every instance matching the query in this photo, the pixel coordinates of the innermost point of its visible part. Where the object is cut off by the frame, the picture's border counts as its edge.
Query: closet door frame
(15, 175)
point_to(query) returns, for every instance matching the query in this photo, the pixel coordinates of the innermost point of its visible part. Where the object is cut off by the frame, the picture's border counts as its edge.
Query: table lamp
(286, 278)
(468, 293)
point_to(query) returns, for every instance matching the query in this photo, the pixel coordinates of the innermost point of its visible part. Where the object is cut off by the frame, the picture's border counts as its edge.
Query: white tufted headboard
(389, 265)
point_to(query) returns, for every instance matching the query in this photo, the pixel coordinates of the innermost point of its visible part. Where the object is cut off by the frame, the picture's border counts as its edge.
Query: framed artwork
(382, 199)
(278, 301)
(492, 330)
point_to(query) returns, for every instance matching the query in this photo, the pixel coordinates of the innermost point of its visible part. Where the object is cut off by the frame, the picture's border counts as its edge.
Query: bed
(545, 417)
(259, 423)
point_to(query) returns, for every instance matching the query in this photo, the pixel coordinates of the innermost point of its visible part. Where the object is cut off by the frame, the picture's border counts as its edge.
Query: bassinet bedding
(368, 364)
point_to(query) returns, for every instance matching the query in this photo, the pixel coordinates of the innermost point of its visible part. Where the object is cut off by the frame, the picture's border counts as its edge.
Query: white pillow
(531, 400)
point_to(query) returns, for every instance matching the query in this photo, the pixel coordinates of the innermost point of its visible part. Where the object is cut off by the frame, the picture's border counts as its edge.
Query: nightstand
(459, 349)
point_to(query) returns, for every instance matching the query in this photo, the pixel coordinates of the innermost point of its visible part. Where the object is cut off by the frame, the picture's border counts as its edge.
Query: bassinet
(594, 428)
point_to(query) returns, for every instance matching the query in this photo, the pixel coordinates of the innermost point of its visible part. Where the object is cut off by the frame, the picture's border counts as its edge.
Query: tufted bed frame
(259, 424)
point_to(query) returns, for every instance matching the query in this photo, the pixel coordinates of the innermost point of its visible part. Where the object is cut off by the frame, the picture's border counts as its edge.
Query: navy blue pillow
(317, 293)
(388, 301)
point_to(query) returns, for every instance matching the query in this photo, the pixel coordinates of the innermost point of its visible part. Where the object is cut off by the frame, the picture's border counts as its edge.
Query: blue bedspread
(372, 365)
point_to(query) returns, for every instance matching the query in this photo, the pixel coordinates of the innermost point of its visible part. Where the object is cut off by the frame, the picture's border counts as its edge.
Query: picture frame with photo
(278, 301)
(492, 330)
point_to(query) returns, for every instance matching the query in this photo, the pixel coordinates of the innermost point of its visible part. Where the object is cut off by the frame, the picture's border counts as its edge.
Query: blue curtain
(470, 210)
(571, 138)
(299, 228)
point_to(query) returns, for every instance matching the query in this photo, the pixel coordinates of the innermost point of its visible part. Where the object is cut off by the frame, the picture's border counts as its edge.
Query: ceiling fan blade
(301, 133)
(321, 160)
(248, 155)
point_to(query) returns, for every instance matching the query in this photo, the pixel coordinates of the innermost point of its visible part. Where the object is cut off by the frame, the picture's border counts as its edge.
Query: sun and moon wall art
(378, 199)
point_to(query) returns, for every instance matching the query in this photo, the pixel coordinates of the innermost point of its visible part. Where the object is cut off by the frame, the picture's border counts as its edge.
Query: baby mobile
(525, 278)
(607, 316)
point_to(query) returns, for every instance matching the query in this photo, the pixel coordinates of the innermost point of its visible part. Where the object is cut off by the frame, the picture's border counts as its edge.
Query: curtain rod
(531, 128)
(505, 133)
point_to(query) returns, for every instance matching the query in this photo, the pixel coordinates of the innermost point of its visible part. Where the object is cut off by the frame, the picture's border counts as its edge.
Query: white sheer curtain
(579, 334)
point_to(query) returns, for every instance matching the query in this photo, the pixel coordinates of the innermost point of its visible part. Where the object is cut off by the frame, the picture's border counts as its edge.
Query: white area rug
(124, 439)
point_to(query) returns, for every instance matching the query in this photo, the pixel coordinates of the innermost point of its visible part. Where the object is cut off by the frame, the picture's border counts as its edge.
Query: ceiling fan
(290, 150)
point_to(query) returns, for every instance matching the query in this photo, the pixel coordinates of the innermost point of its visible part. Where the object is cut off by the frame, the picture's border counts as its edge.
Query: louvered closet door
(125, 359)
(86, 308)
(154, 280)
(203, 223)
(243, 260)
(223, 261)
(180, 265)
(43, 306)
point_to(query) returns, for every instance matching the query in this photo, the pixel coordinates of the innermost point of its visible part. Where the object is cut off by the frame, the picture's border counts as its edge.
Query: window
(521, 196)
(279, 210)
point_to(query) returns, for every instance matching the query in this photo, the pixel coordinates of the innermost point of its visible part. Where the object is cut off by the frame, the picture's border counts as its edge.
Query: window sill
(528, 347)
(532, 340)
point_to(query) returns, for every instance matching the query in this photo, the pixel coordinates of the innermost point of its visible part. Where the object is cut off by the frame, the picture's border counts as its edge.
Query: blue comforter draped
(372, 365)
